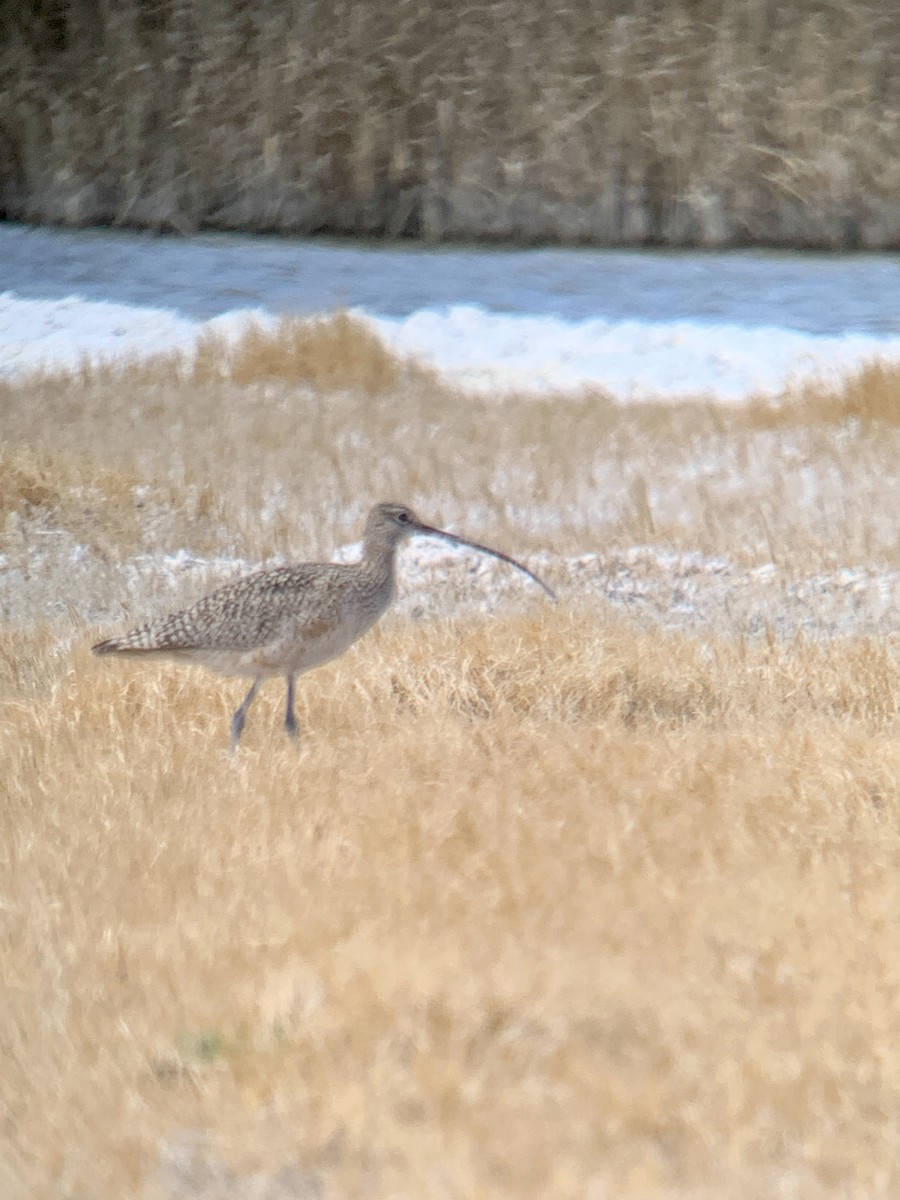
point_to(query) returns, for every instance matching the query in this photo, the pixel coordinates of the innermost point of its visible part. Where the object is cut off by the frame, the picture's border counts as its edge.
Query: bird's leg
(290, 721)
(240, 716)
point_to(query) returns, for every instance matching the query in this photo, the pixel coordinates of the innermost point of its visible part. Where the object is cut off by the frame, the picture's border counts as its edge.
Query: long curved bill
(461, 541)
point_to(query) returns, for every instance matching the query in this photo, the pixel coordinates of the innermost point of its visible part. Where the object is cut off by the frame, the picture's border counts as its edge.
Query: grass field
(594, 900)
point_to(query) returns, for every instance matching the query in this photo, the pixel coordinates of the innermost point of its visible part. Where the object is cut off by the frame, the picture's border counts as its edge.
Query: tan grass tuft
(328, 353)
(870, 395)
(65, 490)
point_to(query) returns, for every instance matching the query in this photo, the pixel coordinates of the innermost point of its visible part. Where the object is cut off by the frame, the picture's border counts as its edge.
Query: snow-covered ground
(638, 325)
(633, 360)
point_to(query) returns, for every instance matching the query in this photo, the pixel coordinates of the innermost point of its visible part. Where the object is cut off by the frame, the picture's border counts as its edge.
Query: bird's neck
(379, 555)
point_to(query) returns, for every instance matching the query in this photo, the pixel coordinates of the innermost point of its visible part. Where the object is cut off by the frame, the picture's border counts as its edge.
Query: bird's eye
(403, 517)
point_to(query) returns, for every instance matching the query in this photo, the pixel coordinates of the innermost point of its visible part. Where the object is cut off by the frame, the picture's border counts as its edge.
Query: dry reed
(725, 122)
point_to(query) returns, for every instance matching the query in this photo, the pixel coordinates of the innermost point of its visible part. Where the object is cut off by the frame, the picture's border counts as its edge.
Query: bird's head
(390, 524)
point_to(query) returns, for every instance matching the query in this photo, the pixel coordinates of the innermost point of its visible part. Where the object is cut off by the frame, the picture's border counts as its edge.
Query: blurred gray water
(203, 276)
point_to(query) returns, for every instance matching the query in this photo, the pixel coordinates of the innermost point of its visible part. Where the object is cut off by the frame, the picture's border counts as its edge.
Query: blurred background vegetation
(667, 122)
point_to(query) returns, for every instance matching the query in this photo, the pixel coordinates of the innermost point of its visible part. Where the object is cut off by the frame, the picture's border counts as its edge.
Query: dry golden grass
(542, 907)
(553, 905)
(327, 353)
(870, 395)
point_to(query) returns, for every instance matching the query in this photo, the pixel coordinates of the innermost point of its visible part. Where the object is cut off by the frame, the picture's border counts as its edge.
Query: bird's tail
(138, 641)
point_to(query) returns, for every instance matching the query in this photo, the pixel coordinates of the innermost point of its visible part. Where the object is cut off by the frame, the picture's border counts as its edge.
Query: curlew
(287, 620)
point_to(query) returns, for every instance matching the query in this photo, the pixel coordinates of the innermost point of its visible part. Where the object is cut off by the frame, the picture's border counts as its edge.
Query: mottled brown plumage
(288, 620)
